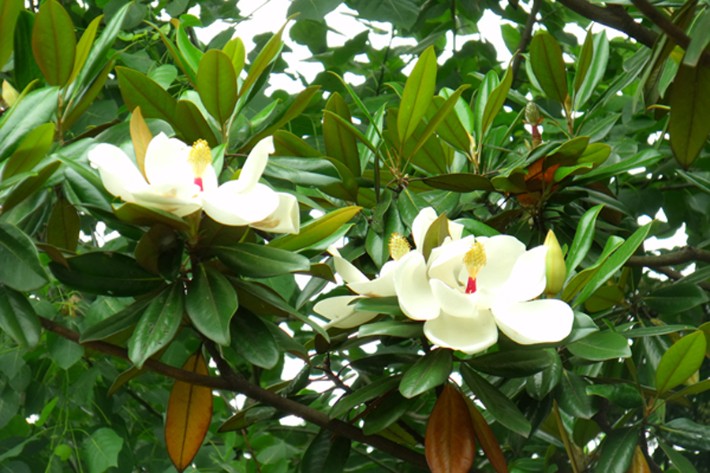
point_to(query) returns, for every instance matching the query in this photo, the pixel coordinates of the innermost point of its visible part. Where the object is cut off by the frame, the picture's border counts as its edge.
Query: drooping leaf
(450, 438)
(188, 415)
(690, 101)
(681, 360)
(211, 302)
(54, 42)
(548, 66)
(20, 268)
(428, 372)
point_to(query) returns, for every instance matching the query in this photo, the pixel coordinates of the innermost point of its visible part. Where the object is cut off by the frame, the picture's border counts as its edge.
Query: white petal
(469, 335)
(453, 301)
(228, 206)
(501, 253)
(540, 321)
(412, 286)
(209, 179)
(118, 173)
(175, 204)
(255, 164)
(346, 269)
(421, 225)
(340, 312)
(455, 230)
(446, 261)
(527, 279)
(382, 286)
(166, 163)
(285, 219)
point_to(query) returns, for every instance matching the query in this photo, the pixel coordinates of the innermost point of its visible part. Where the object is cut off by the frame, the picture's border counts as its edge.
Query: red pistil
(471, 286)
(198, 182)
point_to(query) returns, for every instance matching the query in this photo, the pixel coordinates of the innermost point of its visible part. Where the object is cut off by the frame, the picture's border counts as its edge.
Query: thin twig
(526, 36)
(230, 381)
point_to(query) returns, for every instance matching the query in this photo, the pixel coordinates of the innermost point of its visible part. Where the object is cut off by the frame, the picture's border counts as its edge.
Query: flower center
(200, 157)
(474, 260)
(398, 246)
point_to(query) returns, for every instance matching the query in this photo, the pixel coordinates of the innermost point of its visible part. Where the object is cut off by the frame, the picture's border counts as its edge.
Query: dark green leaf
(572, 396)
(601, 346)
(654, 331)
(690, 101)
(64, 226)
(217, 85)
(623, 395)
(211, 302)
(548, 66)
(106, 273)
(101, 450)
(266, 56)
(54, 42)
(495, 101)
(363, 394)
(676, 299)
(157, 326)
(381, 305)
(687, 433)
(339, 143)
(617, 451)
(515, 363)
(428, 372)
(326, 454)
(261, 261)
(30, 185)
(389, 328)
(459, 182)
(32, 110)
(254, 341)
(497, 404)
(386, 412)
(115, 324)
(19, 262)
(140, 91)
(144, 216)
(583, 238)
(18, 319)
(584, 60)
(595, 72)
(9, 10)
(678, 459)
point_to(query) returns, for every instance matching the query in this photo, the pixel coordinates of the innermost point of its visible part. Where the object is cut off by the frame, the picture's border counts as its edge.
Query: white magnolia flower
(340, 309)
(471, 287)
(180, 179)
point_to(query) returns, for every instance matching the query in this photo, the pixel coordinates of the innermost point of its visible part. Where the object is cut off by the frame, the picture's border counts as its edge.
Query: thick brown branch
(230, 381)
(615, 17)
(684, 255)
(660, 20)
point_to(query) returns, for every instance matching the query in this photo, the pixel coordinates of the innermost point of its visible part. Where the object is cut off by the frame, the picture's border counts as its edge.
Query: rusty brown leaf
(141, 136)
(487, 439)
(639, 463)
(188, 416)
(450, 439)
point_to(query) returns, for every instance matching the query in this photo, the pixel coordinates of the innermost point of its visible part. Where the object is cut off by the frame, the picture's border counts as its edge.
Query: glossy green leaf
(83, 47)
(572, 396)
(263, 60)
(190, 53)
(459, 182)
(678, 459)
(63, 352)
(117, 323)
(676, 299)
(612, 264)
(548, 66)
(497, 404)
(489, 82)
(622, 394)
(26, 69)
(495, 101)
(514, 363)
(418, 93)
(317, 172)
(388, 411)
(389, 328)
(33, 147)
(583, 238)
(655, 331)
(140, 91)
(595, 72)
(428, 372)
(192, 124)
(443, 110)
(254, 341)
(77, 108)
(30, 185)
(144, 216)
(17, 318)
(687, 433)
(584, 60)
(681, 360)
(339, 143)
(326, 453)
(101, 449)
(54, 42)
(690, 101)
(600, 346)
(316, 230)
(19, 262)
(9, 10)
(64, 226)
(157, 326)
(234, 49)
(34, 109)
(617, 451)
(106, 273)
(217, 84)
(261, 261)
(211, 302)
(363, 394)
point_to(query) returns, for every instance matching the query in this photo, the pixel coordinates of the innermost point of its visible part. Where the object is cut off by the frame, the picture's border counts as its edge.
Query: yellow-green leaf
(317, 230)
(9, 9)
(140, 136)
(339, 143)
(681, 360)
(236, 52)
(266, 56)
(188, 415)
(84, 46)
(54, 42)
(418, 92)
(32, 149)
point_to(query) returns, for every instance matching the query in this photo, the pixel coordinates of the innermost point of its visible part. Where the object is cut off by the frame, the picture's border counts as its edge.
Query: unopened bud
(532, 114)
(555, 269)
(9, 94)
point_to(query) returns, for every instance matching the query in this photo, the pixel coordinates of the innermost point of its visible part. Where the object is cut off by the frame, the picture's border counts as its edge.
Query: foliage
(122, 318)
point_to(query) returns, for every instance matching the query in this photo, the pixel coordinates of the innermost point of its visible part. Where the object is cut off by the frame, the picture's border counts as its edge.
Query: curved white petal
(166, 162)
(527, 279)
(119, 174)
(421, 224)
(179, 205)
(381, 286)
(453, 301)
(412, 287)
(340, 312)
(469, 335)
(502, 251)
(228, 206)
(455, 230)
(540, 321)
(346, 269)
(285, 219)
(446, 261)
(209, 179)
(255, 164)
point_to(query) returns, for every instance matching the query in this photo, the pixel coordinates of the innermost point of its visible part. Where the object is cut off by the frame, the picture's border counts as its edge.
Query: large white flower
(470, 287)
(180, 179)
(340, 309)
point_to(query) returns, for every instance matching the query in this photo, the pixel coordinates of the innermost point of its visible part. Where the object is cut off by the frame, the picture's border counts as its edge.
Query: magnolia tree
(447, 270)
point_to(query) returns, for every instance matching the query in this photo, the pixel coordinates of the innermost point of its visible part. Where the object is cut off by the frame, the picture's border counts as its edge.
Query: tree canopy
(450, 265)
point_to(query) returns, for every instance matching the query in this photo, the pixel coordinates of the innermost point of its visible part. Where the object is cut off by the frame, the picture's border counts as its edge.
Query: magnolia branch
(526, 36)
(684, 255)
(230, 381)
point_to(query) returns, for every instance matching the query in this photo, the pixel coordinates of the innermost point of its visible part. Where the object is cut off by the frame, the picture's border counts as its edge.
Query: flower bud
(532, 114)
(555, 269)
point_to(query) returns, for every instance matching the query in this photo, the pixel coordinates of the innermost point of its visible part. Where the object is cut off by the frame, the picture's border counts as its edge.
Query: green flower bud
(556, 271)
(532, 114)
